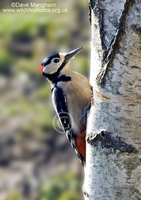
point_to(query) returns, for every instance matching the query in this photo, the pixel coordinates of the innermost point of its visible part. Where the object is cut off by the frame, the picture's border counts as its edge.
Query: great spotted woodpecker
(71, 94)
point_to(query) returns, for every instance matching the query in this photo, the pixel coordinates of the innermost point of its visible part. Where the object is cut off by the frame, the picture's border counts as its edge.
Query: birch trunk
(113, 165)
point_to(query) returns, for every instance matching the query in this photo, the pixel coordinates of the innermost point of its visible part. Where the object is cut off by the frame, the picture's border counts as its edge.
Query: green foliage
(25, 39)
(62, 187)
(19, 24)
(14, 195)
(5, 62)
(44, 92)
(25, 27)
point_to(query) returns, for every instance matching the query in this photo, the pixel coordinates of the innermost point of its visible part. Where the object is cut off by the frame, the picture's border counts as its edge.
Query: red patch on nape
(42, 67)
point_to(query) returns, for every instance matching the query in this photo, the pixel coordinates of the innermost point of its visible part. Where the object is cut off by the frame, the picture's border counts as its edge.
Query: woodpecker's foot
(85, 113)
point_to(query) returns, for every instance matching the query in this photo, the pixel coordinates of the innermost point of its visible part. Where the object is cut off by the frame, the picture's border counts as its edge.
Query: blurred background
(37, 162)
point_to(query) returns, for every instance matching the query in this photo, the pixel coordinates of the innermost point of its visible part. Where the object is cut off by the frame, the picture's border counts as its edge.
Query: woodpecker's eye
(56, 60)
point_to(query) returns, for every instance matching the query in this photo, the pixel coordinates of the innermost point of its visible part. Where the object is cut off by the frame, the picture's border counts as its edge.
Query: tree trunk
(113, 165)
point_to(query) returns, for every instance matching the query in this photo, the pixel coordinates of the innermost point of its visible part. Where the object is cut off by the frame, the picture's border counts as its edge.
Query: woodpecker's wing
(60, 104)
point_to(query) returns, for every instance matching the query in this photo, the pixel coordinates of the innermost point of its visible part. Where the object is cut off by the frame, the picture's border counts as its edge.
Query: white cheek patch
(44, 70)
(50, 69)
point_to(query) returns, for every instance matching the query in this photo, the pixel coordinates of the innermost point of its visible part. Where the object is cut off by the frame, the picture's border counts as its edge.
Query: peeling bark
(113, 165)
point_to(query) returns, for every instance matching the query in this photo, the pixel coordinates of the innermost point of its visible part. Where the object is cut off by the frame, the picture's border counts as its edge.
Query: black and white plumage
(71, 93)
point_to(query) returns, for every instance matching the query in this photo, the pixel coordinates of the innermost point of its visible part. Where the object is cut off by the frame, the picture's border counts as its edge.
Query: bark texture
(113, 165)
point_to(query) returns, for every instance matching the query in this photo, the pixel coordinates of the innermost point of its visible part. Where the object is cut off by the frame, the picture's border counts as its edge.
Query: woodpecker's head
(53, 65)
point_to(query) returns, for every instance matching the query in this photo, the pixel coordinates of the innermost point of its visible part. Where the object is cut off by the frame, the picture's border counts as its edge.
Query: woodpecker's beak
(71, 54)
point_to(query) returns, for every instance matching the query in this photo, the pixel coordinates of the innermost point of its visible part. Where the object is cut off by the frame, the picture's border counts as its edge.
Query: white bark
(113, 164)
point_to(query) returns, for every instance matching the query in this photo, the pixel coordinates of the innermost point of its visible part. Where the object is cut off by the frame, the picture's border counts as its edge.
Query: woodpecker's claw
(85, 113)
(92, 101)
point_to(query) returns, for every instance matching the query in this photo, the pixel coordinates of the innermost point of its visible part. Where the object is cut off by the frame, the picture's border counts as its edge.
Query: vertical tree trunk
(113, 165)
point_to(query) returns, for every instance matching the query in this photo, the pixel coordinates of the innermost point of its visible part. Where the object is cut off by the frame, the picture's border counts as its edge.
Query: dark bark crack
(136, 28)
(110, 50)
(90, 13)
(110, 143)
(85, 193)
